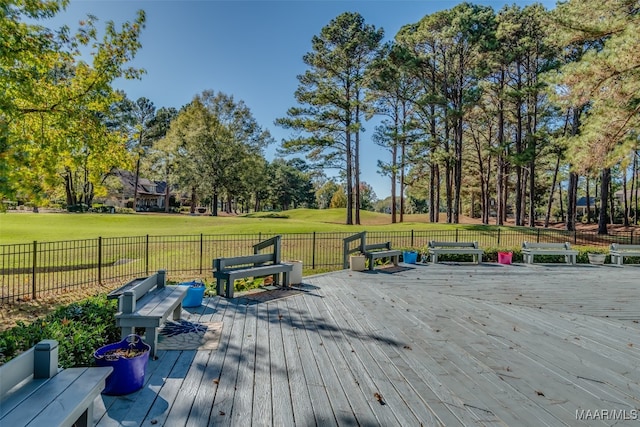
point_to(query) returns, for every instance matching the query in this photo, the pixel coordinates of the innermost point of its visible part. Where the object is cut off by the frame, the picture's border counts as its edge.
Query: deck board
(446, 344)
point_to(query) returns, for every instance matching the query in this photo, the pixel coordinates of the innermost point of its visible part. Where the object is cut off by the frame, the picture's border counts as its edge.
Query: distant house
(619, 195)
(581, 205)
(151, 194)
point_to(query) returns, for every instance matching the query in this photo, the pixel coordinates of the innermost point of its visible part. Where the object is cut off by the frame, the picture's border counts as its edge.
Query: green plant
(248, 283)
(80, 328)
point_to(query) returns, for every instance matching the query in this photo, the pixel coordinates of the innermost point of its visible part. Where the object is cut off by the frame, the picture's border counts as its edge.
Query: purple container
(128, 373)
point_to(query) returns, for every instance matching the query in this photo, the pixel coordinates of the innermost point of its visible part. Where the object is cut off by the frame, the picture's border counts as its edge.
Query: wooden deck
(427, 345)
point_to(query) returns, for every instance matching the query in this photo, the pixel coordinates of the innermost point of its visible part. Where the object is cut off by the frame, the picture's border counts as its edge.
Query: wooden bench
(530, 250)
(147, 303)
(619, 251)
(370, 251)
(436, 248)
(227, 270)
(34, 392)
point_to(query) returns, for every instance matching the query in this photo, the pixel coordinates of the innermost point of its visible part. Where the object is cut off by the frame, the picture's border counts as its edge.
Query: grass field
(48, 227)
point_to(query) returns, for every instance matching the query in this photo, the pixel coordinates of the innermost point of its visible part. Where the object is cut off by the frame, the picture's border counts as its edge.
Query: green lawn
(47, 227)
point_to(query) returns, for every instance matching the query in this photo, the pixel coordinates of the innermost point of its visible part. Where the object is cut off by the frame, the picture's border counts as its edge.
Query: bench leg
(86, 419)
(230, 283)
(219, 286)
(151, 336)
(396, 260)
(371, 263)
(479, 258)
(177, 313)
(434, 258)
(286, 279)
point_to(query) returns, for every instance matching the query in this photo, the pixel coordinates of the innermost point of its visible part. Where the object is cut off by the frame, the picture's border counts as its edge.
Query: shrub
(80, 328)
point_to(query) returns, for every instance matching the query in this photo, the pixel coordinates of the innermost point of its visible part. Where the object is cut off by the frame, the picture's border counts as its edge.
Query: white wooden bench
(436, 248)
(147, 303)
(370, 251)
(619, 251)
(34, 392)
(227, 270)
(530, 250)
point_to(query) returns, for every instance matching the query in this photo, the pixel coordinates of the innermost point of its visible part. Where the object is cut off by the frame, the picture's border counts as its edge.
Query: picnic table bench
(34, 392)
(370, 251)
(147, 303)
(529, 250)
(227, 270)
(436, 248)
(619, 251)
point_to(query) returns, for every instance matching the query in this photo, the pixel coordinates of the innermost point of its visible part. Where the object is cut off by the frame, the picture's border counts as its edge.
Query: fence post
(456, 234)
(575, 237)
(201, 252)
(100, 260)
(33, 270)
(631, 237)
(538, 236)
(146, 266)
(412, 239)
(498, 244)
(313, 252)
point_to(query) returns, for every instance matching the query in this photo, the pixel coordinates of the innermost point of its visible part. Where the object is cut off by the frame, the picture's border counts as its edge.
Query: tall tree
(216, 140)
(392, 88)
(331, 94)
(605, 79)
(48, 92)
(137, 118)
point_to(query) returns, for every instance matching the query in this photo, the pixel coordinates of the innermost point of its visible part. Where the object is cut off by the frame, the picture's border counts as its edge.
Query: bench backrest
(275, 243)
(220, 264)
(349, 248)
(272, 257)
(530, 245)
(621, 247)
(378, 246)
(435, 244)
(127, 301)
(40, 361)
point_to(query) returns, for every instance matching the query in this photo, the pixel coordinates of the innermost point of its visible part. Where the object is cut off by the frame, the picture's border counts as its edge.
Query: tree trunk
(625, 219)
(605, 178)
(572, 192)
(588, 190)
(403, 162)
(135, 185)
(349, 177)
(500, 186)
(553, 189)
(194, 200)
(612, 208)
(356, 161)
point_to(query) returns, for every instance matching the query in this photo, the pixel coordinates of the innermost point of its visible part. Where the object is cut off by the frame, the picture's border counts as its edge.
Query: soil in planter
(126, 353)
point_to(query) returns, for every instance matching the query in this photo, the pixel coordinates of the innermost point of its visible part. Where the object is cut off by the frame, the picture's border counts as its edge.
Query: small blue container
(410, 257)
(194, 294)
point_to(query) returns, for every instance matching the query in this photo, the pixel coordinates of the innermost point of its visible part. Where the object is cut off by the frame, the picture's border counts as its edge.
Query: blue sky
(249, 49)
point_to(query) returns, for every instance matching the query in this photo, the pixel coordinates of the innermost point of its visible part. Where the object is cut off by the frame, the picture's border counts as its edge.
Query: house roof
(582, 201)
(145, 186)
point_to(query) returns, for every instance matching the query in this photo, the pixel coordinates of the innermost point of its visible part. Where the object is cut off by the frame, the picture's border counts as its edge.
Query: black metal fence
(32, 270)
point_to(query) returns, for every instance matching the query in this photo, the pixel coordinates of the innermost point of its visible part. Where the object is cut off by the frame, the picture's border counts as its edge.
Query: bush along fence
(33, 270)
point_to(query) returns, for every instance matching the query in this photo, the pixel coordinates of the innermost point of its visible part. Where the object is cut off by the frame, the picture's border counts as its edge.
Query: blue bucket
(128, 372)
(410, 257)
(195, 293)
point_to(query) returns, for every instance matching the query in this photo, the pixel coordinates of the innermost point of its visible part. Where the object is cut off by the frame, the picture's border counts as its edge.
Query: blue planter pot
(410, 257)
(128, 372)
(195, 293)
